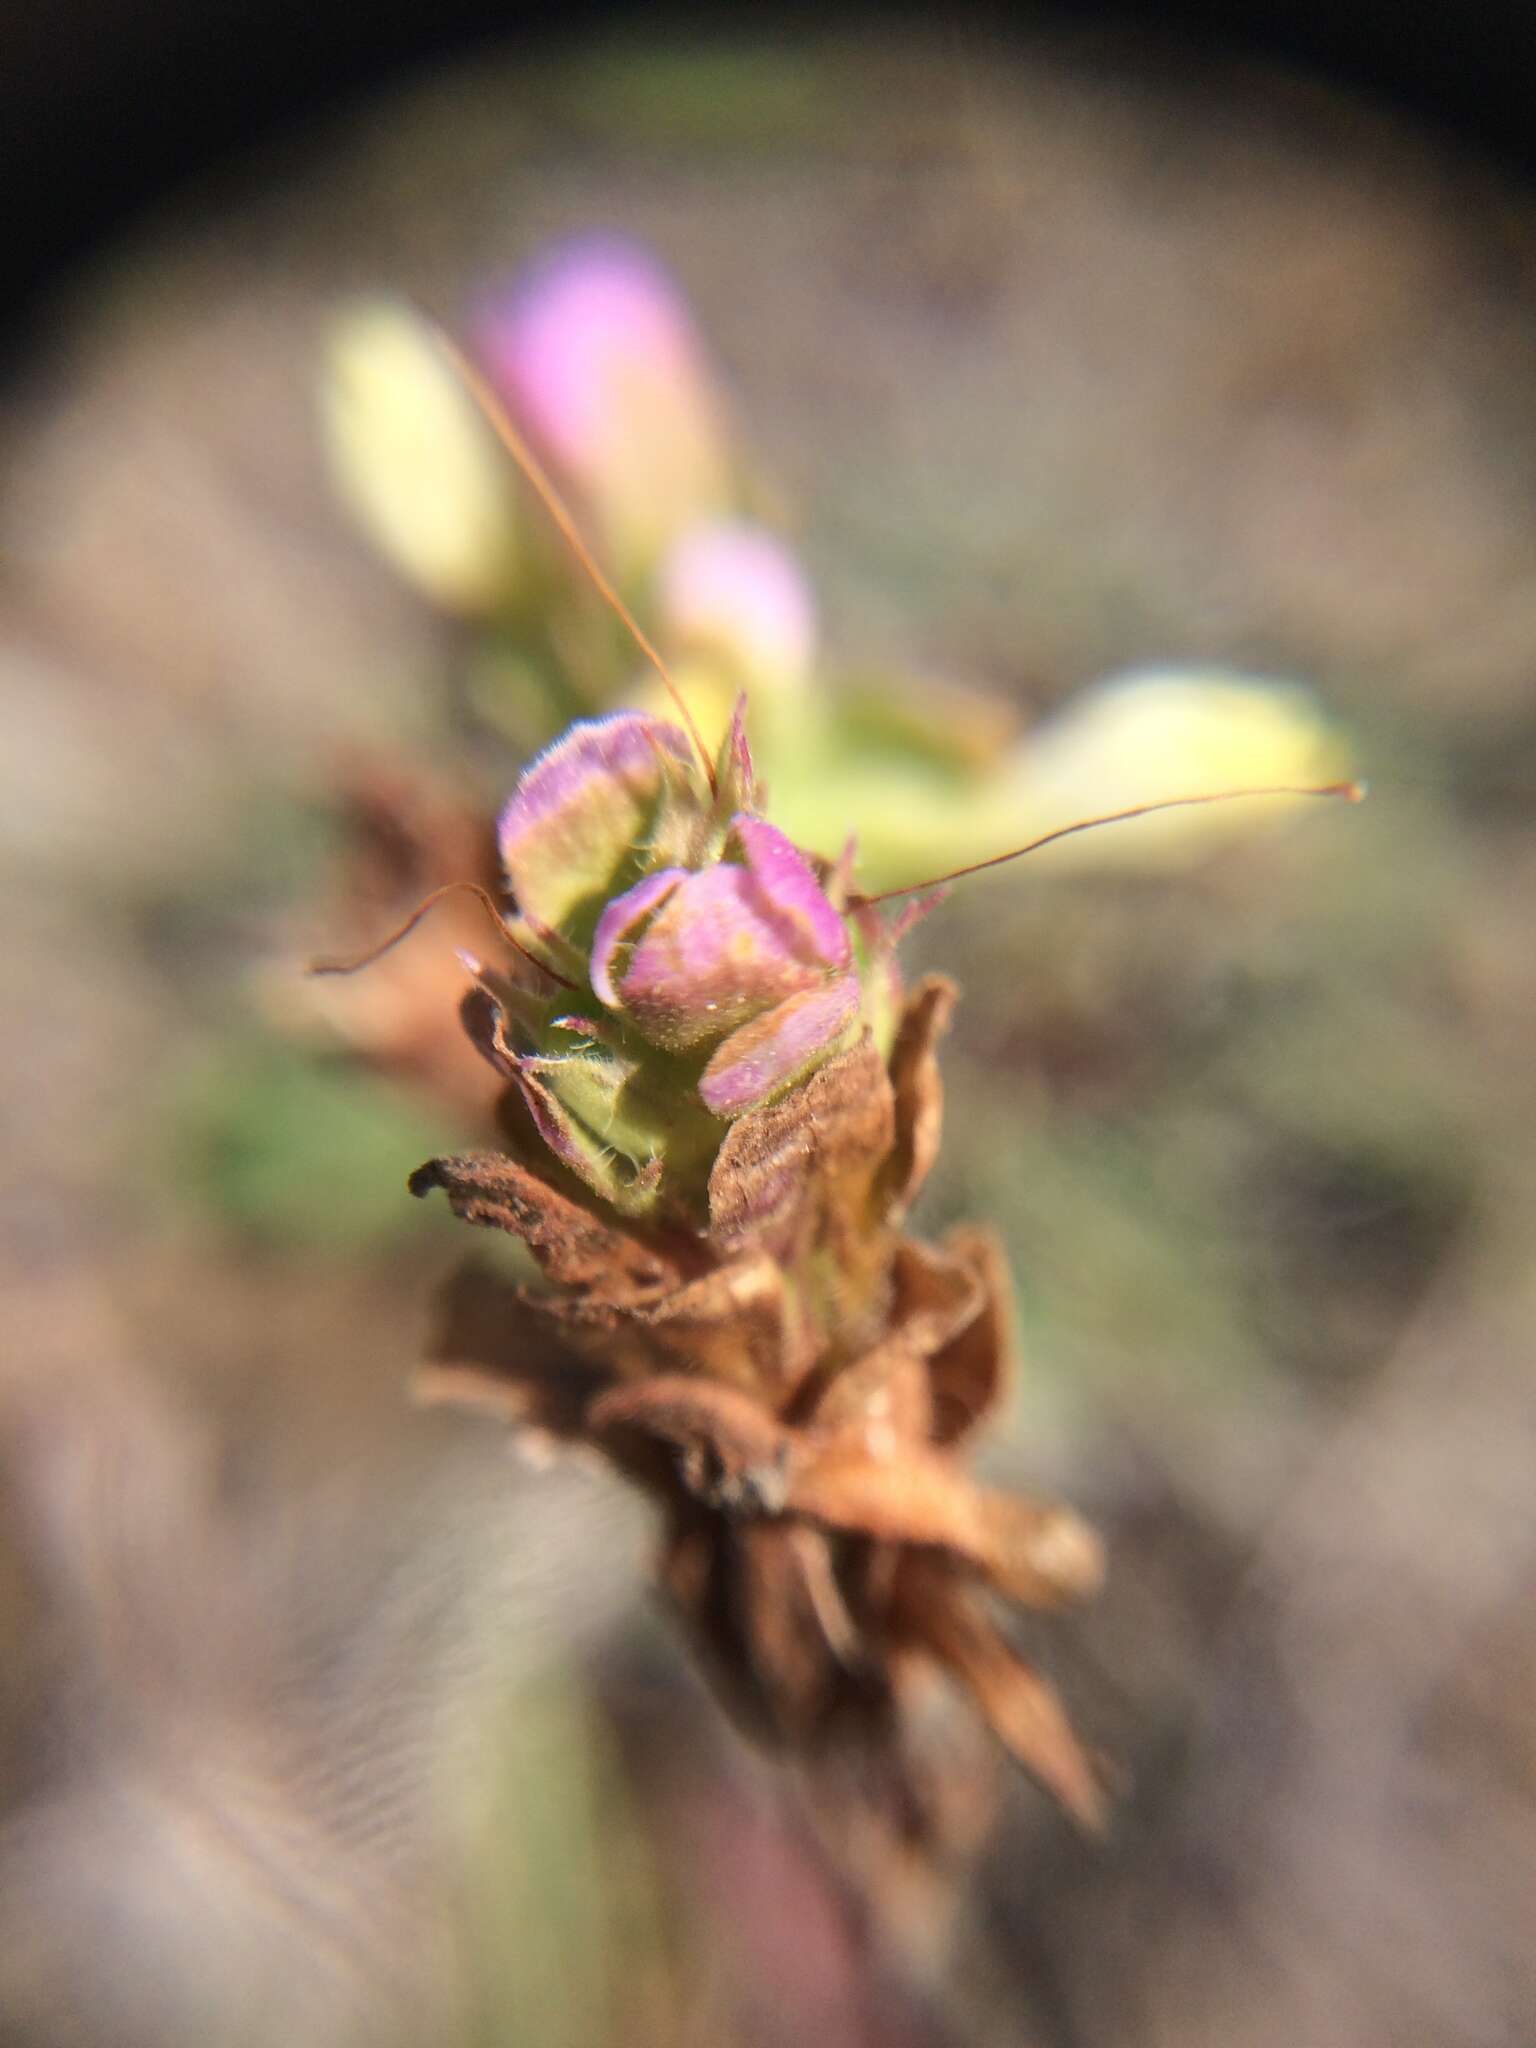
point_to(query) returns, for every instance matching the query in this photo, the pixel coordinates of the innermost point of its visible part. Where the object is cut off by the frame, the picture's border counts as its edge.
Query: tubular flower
(734, 593)
(596, 350)
(695, 965)
(720, 1109)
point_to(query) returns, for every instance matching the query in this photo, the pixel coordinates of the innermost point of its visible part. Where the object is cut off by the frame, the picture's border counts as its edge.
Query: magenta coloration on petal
(582, 324)
(713, 948)
(618, 920)
(771, 1050)
(735, 590)
(717, 952)
(790, 884)
(601, 364)
(580, 807)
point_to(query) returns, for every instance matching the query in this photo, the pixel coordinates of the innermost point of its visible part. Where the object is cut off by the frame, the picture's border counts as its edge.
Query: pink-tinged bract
(597, 354)
(778, 1046)
(581, 810)
(735, 773)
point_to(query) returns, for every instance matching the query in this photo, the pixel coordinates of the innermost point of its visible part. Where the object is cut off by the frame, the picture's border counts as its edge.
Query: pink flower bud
(597, 354)
(706, 952)
(734, 593)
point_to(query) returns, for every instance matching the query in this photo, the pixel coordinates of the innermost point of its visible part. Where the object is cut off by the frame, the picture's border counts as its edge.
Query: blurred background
(328, 1719)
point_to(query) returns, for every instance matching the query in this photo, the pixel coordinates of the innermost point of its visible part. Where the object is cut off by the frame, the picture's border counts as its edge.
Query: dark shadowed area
(328, 1718)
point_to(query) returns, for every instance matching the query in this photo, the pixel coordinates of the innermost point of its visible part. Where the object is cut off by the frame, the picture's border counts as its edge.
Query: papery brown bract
(401, 839)
(794, 1384)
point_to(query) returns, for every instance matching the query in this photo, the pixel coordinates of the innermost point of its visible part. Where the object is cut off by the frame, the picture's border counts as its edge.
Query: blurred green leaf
(746, 97)
(288, 1149)
(566, 1934)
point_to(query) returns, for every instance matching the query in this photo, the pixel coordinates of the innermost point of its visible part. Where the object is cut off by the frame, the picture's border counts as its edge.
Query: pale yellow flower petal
(415, 461)
(1158, 733)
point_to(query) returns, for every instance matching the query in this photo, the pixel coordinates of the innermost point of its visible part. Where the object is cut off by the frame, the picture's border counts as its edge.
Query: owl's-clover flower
(596, 351)
(695, 963)
(721, 1112)
(732, 605)
(733, 593)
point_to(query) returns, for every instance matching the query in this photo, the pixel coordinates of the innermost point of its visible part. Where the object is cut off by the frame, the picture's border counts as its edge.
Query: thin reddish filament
(354, 966)
(506, 431)
(1352, 792)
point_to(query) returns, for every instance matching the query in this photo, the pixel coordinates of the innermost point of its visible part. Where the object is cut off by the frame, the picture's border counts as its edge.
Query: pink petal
(564, 341)
(602, 365)
(715, 954)
(789, 882)
(732, 589)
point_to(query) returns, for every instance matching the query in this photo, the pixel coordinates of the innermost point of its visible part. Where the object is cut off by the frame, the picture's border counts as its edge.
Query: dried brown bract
(797, 1384)
(401, 840)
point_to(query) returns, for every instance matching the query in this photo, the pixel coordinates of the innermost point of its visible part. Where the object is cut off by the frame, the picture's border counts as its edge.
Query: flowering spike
(750, 1107)
(714, 1134)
